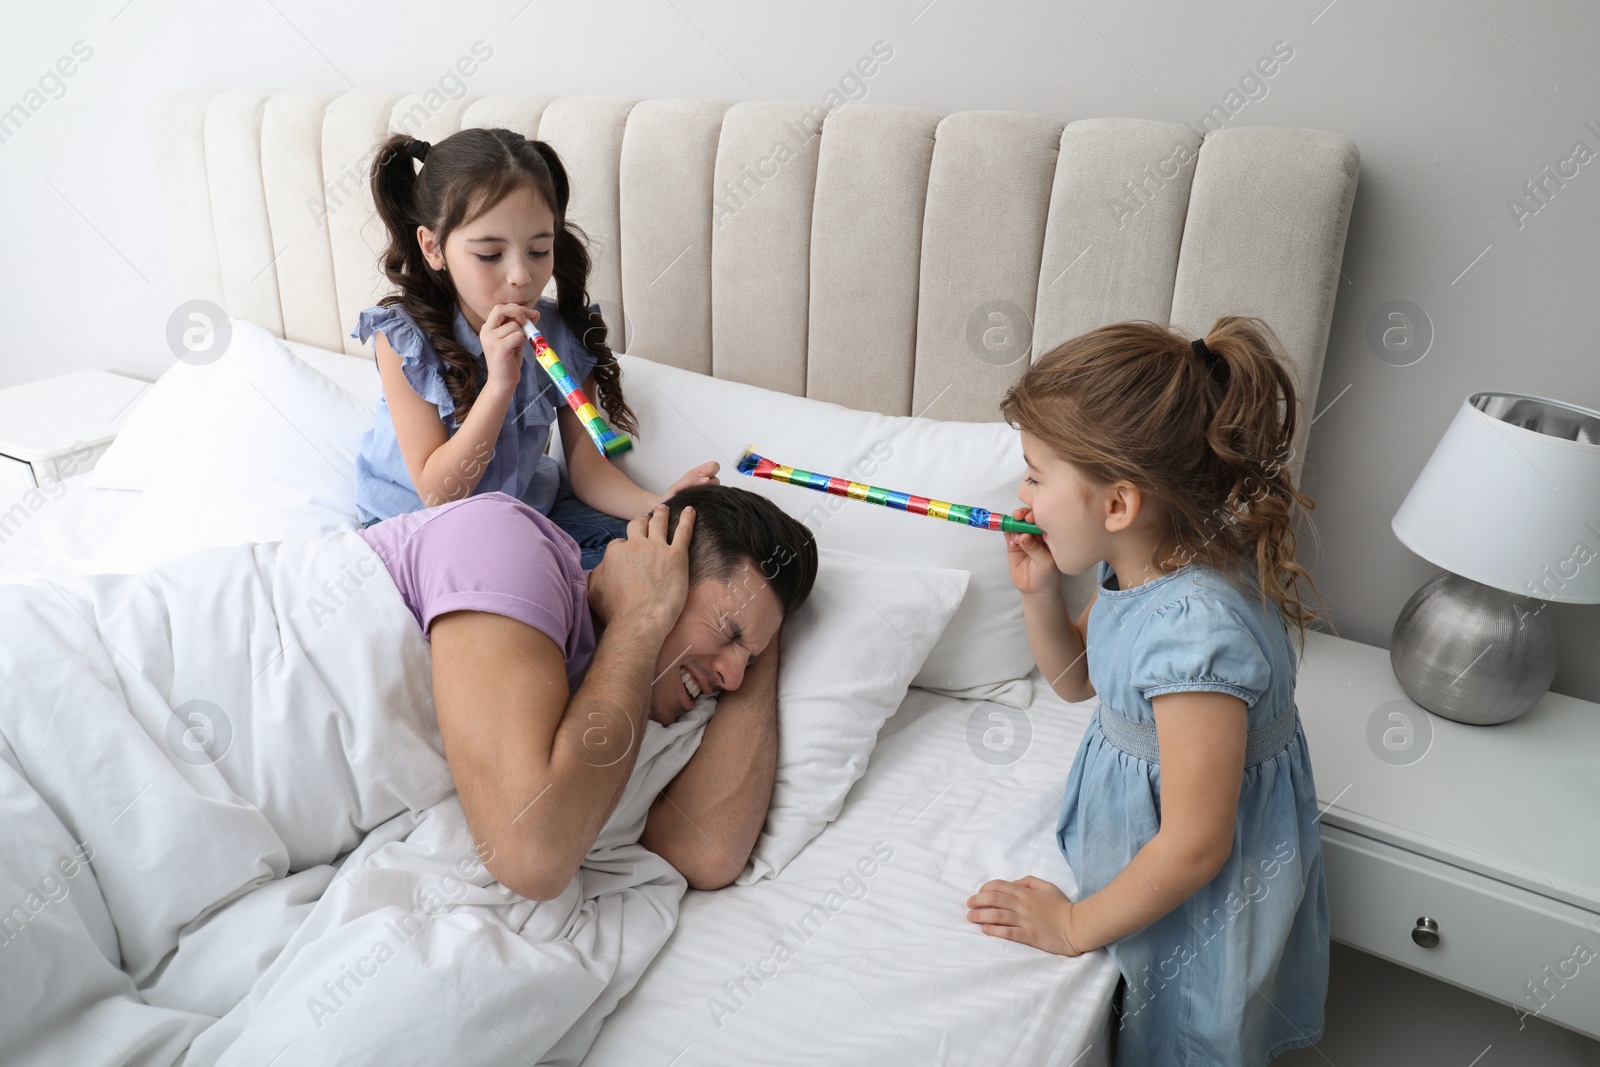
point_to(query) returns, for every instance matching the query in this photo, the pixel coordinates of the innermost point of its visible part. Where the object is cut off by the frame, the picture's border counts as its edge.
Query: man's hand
(645, 579)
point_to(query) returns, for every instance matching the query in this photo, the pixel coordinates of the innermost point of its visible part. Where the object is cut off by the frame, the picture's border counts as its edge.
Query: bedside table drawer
(1540, 956)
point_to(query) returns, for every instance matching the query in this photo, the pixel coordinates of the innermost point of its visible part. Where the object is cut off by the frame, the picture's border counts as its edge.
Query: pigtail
(425, 294)
(572, 266)
(1250, 435)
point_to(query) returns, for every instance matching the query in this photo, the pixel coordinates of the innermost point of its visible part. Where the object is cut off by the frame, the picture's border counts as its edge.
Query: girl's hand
(705, 474)
(502, 339)
(1033, 571)
(1030, 910)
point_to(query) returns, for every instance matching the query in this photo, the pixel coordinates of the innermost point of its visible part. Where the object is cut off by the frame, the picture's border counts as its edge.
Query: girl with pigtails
(477, 227)
(1190, 817)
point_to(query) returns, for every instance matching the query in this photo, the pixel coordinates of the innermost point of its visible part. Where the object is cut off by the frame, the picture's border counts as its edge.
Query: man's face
(723, 626)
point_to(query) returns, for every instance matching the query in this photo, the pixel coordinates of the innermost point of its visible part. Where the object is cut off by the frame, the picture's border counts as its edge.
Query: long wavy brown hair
(1135, 402)
(465, 175)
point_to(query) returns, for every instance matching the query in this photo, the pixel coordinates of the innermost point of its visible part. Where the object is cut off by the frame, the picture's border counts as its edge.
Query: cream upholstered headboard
(898, 261)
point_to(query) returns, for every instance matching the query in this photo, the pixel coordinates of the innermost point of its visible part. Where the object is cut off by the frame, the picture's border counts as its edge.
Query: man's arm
(706, 822)
(538, 776)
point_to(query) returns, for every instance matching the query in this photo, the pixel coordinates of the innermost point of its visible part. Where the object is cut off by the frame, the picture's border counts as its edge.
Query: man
(541, 722)
(305, 874)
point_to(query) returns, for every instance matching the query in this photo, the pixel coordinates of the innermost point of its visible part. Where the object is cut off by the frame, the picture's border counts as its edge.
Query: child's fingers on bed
(997, 891)
(993, 916)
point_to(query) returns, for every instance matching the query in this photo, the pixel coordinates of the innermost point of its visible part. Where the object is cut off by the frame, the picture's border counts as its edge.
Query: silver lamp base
(1471, 652)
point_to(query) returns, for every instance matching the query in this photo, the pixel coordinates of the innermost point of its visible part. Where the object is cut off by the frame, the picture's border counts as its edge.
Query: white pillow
(356, 375)
(686, 418)
(164, 410)
(268, 455)
(151, 430)
(845, 661)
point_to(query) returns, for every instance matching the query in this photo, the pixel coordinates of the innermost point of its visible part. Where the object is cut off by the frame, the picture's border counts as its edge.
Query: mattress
(896, 974)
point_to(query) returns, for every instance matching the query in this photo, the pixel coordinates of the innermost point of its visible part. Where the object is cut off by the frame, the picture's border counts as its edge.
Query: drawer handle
(1426, 933)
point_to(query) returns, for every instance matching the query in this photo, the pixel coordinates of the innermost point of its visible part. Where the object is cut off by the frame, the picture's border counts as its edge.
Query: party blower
(984, 519)
(608, 441)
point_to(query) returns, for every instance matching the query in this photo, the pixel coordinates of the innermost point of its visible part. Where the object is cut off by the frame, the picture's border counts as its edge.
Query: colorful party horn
(608, 441)
(984, 519)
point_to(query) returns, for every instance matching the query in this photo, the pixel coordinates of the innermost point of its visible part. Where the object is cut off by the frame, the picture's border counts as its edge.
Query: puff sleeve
(1197, 644)
(418, 360)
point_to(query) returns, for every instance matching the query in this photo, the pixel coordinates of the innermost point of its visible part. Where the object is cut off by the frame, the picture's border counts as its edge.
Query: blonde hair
(1210, 441)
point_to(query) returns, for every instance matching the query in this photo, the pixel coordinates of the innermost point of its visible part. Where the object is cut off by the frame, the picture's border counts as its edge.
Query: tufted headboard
(898, 261)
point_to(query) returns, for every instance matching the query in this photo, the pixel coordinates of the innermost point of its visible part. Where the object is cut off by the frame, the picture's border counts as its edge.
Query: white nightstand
(58, 427)
(1493, 834)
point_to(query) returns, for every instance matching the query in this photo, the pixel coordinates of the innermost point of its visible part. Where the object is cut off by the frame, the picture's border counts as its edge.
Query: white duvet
(228, 834)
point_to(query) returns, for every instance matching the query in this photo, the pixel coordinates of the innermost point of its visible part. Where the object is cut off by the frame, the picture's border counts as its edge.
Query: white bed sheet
(897, 975)
(54, 531)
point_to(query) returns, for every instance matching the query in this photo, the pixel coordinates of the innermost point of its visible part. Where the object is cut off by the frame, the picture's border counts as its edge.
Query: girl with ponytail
(1190, 817)
(474, 236)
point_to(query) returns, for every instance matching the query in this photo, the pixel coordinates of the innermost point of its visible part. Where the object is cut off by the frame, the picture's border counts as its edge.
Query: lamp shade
(1511, 498)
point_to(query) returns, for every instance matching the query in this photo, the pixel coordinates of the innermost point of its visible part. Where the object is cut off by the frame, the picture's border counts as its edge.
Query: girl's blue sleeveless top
(519, 466)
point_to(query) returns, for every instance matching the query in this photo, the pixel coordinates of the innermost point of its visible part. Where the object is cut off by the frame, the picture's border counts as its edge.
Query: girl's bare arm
(442, 467)
(1202, 739)
(595, 479)
(1057, 643)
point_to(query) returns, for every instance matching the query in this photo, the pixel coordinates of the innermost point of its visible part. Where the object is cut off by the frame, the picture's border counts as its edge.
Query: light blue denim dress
(1238, 972)
(519, 466)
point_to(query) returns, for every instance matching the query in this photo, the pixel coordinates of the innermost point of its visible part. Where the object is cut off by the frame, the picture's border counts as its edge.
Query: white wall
(1454, 107)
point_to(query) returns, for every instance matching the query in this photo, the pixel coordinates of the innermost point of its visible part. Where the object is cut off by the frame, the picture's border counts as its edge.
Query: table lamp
(1509, 505)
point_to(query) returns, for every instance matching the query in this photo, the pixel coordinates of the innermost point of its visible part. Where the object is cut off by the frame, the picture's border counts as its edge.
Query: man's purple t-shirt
(491, 553)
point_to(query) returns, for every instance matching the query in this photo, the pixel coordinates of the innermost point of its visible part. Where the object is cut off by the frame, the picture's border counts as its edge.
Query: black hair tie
(419, 150)
(1206, 355)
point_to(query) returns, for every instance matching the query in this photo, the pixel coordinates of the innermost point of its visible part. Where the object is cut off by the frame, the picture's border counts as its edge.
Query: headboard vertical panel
(866, 243)
(177, 131)
(1267, 220)
(353, 128)
(761, 244)
(587, 133)
(982, 241)
(1116, 221)
(245, 251)
(520, 113)
(415, 114)
(669, 155)
(291, 177)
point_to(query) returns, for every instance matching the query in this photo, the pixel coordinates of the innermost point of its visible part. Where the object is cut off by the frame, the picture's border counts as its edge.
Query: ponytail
(1249, 446)
(1204, 429)
(470, 171)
